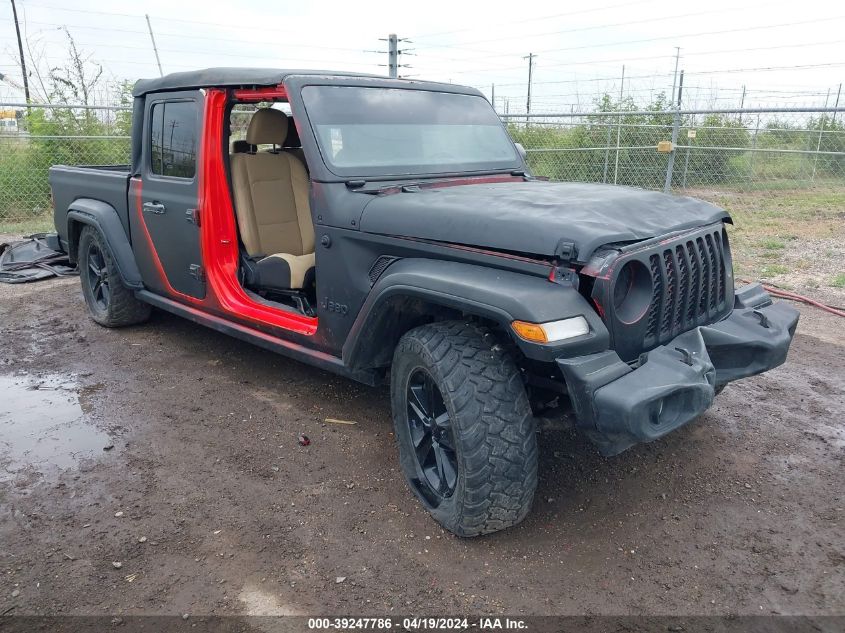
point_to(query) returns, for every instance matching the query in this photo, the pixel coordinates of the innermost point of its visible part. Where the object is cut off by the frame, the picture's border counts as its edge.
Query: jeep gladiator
(390, 231)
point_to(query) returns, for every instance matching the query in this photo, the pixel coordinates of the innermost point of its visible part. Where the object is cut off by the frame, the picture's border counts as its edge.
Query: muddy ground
(208, 504)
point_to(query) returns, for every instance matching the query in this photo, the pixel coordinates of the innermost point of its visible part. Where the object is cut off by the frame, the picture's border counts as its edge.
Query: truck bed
(106, 183)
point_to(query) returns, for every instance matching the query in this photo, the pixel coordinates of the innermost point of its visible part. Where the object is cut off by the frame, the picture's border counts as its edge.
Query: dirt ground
(157, 470)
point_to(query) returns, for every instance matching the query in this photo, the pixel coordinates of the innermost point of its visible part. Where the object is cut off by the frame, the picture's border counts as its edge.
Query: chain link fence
(734, 157)
(707, 153)
(35, 137)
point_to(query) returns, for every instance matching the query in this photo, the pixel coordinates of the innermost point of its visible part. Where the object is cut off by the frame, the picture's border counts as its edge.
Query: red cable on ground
(785, 294)
(796, 297)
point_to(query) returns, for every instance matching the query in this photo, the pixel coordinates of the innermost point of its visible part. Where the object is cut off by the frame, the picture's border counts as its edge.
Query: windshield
(393, 132)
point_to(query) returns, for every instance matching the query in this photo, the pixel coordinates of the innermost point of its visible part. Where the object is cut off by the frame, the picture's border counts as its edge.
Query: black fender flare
(497, 295)
(105, 219)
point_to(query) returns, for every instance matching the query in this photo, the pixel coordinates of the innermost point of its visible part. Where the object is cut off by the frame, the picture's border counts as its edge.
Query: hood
(535, 217)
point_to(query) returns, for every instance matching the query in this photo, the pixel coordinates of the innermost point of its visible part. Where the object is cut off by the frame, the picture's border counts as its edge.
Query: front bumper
(619, 406)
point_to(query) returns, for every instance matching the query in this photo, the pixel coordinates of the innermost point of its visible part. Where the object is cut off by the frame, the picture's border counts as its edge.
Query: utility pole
(530, 57)
(155, 48)
(393, 55)
(20, 51)
(675, 78)
(493, 95)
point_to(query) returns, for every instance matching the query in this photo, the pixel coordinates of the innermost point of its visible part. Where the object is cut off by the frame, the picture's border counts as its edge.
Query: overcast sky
(581, 47)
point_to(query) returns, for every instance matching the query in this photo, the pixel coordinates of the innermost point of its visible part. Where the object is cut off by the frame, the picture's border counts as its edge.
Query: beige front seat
(271, 204)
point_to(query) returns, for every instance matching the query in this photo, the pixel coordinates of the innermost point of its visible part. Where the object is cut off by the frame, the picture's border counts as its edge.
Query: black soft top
(229, 77)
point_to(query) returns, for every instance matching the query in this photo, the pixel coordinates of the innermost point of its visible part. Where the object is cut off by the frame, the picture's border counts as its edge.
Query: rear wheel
(466, 434)
(110, 303)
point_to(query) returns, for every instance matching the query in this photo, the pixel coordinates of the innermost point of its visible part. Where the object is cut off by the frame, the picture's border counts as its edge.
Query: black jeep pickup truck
(390, 231)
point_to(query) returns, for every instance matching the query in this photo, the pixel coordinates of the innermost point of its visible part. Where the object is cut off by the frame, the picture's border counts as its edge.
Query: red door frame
(218, 231)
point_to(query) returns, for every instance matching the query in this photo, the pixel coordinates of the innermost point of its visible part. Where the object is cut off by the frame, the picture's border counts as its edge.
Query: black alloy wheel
(110, 302)
(432, 435)
(98, 277)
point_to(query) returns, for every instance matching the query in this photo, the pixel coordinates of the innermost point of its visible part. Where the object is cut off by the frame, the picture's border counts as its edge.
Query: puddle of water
(43, 428)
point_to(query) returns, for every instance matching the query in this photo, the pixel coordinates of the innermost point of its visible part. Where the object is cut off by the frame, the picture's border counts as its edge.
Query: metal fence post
(619, 127)
(606, 153)
(753, 147)
(822, 121)
(686, 157)
(618, 139)
(670, 166)
(676, 125)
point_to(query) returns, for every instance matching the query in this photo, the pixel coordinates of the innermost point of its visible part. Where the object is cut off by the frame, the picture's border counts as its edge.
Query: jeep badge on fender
(332, 306)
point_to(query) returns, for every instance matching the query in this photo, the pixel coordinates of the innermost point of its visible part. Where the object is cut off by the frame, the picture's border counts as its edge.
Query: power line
(558, 63)
(698, 53)
(184, 51)
(493, 54)
(184, 36)
(140, 16)
(648, 20)
(544, 17)
(702, 72)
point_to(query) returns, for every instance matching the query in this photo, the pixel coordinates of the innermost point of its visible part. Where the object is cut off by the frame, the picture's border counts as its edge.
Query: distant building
(9, 122)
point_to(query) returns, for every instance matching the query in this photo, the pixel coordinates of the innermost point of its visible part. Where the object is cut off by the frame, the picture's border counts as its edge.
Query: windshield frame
(327, 173)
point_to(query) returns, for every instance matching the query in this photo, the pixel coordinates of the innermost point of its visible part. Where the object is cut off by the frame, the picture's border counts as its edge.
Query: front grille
(689, 284)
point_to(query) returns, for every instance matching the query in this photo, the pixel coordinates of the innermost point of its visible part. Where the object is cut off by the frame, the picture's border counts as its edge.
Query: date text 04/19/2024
(417, 624)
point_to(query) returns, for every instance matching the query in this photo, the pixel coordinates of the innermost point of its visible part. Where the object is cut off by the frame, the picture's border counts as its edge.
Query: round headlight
(632, 292)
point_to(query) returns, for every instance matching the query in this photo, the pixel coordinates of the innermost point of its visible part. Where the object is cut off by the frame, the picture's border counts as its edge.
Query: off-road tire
(494, 429)
(122, 308)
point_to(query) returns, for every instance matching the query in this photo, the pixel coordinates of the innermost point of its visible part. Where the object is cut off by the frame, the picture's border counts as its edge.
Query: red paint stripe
(261, 94)
(457, 182)
(219, 232)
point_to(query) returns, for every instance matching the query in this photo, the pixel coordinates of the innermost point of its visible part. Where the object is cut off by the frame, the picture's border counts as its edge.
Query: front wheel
(466, 434)
(110, 303)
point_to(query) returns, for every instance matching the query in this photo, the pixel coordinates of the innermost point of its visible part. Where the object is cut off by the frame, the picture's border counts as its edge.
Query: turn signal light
(530, 331)
(551, 332)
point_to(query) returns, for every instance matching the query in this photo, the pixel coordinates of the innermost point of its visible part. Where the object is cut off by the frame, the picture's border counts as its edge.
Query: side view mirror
(521, 150)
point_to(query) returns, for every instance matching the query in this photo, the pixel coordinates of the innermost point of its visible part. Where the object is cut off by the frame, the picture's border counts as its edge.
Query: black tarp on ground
(33, 258)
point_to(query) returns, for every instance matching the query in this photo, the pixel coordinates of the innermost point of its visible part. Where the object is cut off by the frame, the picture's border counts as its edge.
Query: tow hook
(764, 320)
(687, 356)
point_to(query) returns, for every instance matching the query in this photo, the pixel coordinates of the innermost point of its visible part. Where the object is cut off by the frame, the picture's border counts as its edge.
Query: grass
(772, 244)
(26, 227)
(773, 269)
(838, 281)
(786, 231)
